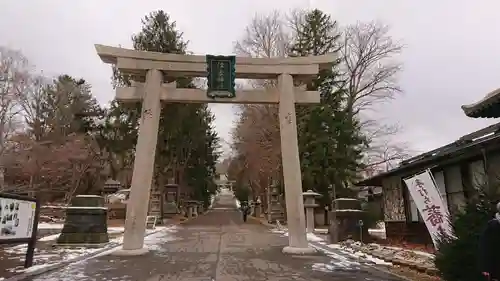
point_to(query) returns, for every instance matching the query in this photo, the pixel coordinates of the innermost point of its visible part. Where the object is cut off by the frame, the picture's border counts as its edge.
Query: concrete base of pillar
(123, 253)
(298, 251)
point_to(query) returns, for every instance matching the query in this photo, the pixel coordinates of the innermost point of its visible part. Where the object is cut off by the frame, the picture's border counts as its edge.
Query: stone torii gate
(148, 70)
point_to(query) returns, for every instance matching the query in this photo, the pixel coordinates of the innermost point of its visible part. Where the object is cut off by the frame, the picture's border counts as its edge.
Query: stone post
(297, 240)
(310, 204)
(334, 224)
(195, 208)
(258, 208)
(137, 206)
(200, 208)
(190, 209)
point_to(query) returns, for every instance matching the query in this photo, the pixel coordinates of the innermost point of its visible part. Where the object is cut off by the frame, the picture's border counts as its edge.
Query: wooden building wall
(456, 182)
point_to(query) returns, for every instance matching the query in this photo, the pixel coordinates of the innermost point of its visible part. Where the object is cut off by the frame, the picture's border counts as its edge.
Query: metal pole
(361, 234)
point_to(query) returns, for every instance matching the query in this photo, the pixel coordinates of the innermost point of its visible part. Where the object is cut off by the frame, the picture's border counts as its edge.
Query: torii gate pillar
(142, 175)
(292, 176)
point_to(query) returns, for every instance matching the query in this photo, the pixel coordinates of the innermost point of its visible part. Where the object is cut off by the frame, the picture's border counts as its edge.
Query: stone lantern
(191, 208)
(111, 186)
(275, 209)
(310, 203)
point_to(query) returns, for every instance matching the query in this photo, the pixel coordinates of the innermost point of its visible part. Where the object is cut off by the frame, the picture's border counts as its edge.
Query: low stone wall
(52, 213)
(422, 262)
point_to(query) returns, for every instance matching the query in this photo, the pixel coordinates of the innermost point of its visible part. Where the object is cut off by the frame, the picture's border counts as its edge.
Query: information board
(17, 218)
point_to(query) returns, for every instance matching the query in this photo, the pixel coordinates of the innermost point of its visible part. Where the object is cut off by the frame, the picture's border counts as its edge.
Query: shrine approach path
(218, 246)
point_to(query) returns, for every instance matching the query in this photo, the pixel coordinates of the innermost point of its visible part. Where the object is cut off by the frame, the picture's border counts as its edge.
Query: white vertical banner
(431, 207)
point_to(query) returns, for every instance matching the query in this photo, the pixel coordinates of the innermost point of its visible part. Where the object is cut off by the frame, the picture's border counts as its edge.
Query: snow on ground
(155, 241)
(358, 254)
(57, 255)
(342, 257)
(237, 202)
(75, 271)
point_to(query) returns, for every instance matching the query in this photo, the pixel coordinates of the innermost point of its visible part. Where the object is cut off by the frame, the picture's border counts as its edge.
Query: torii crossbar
(149, 70)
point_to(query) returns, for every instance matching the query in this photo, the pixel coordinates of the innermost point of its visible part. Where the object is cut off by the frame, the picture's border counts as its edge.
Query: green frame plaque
(221, 76)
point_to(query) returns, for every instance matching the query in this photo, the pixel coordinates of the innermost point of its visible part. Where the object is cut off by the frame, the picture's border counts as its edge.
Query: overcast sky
(452, 55)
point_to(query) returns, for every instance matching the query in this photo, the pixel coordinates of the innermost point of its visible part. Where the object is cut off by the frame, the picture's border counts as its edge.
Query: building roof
(488, 107)
(480, 138)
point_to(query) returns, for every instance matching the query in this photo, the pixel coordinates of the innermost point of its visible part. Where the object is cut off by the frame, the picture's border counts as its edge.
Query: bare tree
(257, 146)
(385, 151)
(13, 73)
(265, 37)
(31, 103)
(256, 134)
(370, 65)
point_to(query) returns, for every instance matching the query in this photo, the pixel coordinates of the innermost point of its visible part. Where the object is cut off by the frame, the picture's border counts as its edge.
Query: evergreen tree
(329, 141)
(457, 257)
(187, 142)
(67, 106)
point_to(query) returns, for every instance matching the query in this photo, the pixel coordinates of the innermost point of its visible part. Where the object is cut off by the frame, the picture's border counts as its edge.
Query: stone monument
(86, 222)
(275, 209)
(347, 214)
(171, 200)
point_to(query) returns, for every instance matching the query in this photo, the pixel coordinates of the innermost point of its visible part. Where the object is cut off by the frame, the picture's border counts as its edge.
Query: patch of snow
(49, 238)
(376, 230)
(339, 261)
(116, 229)
(339, 257)
(88, 196)
(323, 267)
(72, 272)
(349, 210)
(111, 230)
(91, 208)
(68, 273)
(37, 267)
(358, 254)
(321, 230)
(44, 225)
(354, 199)
(238, 204)
(154, 242)
(313, 238)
